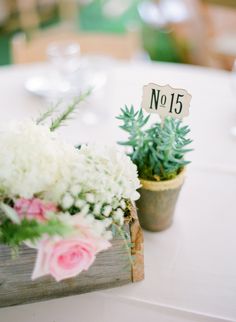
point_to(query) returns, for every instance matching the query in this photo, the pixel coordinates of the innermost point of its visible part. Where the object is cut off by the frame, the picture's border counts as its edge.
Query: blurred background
(199, 32)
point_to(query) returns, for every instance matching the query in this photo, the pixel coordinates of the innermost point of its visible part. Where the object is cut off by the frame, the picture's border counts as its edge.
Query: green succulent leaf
(158, 151)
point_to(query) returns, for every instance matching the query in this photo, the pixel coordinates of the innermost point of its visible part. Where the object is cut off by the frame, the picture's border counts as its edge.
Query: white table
(191, 268)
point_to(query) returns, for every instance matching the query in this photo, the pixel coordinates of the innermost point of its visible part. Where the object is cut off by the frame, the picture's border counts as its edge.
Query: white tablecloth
(190, 268)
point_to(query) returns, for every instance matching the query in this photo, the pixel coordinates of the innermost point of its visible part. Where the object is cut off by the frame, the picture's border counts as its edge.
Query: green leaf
(10, 213)
(13, 234)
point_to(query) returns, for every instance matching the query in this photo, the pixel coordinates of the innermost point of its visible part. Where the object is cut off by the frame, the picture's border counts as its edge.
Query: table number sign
(166, 101)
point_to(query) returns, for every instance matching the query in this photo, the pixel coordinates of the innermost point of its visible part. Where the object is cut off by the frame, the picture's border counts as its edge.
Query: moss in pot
(159, 152)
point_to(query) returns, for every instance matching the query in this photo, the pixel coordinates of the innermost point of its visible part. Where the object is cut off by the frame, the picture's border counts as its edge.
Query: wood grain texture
(111, 268)
(136, 234)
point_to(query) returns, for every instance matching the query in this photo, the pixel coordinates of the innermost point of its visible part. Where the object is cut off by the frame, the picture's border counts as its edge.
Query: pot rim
(164, 185)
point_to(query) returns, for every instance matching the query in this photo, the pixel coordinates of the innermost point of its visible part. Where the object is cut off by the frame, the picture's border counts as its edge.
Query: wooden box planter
(111, 268)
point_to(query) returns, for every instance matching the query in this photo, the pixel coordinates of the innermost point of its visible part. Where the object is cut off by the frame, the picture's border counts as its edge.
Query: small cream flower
(107, 222)
(85, 210)
(67, 201)
(80, 203)
(107, 211)
(90, 197)
(118, 216)
(75, 190)
(97, 208)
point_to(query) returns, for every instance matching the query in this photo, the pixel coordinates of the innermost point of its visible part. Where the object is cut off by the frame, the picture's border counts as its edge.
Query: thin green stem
(69, 111)
(43, 117)
(126, 244)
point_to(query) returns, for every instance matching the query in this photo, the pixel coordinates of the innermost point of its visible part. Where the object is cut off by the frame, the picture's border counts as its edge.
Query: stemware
(64, 59)
(57, 79)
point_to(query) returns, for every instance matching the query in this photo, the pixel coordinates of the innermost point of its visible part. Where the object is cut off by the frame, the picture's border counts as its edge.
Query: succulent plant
(157, 150)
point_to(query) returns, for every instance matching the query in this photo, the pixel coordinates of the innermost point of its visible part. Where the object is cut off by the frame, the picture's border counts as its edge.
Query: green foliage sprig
(14, 234)
(49, 113)
(65, 115)
(159, 150)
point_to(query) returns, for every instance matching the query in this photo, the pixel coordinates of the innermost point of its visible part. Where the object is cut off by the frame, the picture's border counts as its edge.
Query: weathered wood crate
(111, 268)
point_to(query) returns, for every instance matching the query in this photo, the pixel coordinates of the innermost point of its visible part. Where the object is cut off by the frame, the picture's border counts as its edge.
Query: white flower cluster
(32, 159)
(95, 182)
(102, 182)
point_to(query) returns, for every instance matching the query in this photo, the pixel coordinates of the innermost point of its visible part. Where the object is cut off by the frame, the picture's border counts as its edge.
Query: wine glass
(64, 59)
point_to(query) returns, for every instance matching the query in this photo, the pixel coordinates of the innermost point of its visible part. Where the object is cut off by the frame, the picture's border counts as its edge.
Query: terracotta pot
(157, 202)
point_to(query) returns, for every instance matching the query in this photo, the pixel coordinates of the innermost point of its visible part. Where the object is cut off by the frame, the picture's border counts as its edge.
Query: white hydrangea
(101, 175)
(108, 172)
(99, 227)
(101, 181)
(95, 181)
(32, 159)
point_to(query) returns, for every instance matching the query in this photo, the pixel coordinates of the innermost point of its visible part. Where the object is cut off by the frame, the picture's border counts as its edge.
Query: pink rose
(66, 258)
(34, 208)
